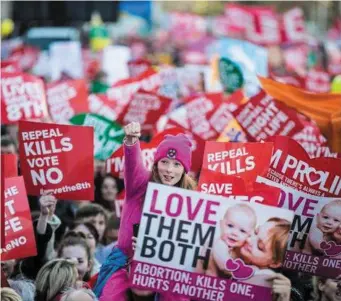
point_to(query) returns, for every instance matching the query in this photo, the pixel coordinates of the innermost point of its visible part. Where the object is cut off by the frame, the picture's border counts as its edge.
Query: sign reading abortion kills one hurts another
(314, 244)
(57, 159)
(186, 247)
(19, 241)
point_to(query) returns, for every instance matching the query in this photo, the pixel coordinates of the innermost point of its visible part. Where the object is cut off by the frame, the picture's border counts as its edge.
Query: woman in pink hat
(172, 162)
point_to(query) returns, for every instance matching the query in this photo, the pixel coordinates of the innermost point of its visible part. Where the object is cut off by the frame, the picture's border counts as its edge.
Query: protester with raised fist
(172, 162)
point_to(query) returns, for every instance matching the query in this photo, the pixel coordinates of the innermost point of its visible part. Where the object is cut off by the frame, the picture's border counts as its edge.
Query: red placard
(263, 26)
(101, 105)
(138, 66)
(291, 166)
(293, 26)
(199, 108)
(262, 117)
(247, 160)
(67, 99)
(233, 187)
(123, 90)
(19, 234)
(22, 97)
(26, 56)
(212, 182)
(317, 81)
(146, 108)
(57, 158)
(310, 137)
(115, 163)
(10, 164)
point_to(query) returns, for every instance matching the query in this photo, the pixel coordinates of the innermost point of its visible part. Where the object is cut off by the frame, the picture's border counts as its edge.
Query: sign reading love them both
(57, 159)
(183, 247)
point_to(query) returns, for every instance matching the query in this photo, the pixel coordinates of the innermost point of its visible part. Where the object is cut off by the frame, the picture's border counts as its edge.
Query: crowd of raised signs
(260, 100)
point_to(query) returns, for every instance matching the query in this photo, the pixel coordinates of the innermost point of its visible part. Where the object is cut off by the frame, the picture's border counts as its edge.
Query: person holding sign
(172, 162)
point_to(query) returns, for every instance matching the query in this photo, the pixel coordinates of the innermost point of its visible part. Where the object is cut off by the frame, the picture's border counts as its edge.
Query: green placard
(231, 76)
(108, 135)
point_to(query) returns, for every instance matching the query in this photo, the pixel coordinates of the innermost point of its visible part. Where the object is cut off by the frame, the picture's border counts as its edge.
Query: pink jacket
(136, 178)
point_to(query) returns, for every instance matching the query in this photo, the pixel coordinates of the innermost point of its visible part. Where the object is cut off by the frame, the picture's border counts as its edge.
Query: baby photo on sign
(324, 237)
(250, 243)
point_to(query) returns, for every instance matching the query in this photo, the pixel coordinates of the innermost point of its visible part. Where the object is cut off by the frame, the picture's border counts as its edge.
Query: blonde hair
(279, 238)
(8, 294)
(243, 206)
(336, 202)
(53, 278)
(67, 296)
(316, 293)
(185, 182)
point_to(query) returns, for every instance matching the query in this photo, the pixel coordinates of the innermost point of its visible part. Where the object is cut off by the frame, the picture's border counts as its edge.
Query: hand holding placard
(47, 204)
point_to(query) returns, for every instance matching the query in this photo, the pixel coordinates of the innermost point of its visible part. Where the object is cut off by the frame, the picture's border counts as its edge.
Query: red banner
(101, 105)
(57, 159)
(19, 233)
(123, 90)
(67, 99)
(247, 160)
(262, 117)
(22, 97)
(146, 108)
(291, 166)
(233, 187)
(202, 107)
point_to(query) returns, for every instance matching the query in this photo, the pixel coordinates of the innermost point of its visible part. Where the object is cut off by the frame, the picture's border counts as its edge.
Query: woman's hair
(316, 293)
(8, 294)
(76, 239)
(53, 278)
(25, 288)
(98, 191)
(279, 237)
(90, 210)
(68, 293)
(90, 227)
(185, 182)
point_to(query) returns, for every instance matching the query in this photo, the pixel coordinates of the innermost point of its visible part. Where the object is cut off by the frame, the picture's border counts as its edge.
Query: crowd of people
(85, 248)
(74, 240)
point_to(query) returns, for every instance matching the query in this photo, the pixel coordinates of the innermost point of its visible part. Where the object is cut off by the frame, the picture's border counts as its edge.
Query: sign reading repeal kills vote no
(57, 158)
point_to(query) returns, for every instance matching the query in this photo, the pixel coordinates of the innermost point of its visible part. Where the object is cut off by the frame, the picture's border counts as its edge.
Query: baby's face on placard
(329, 219)
(238, 224)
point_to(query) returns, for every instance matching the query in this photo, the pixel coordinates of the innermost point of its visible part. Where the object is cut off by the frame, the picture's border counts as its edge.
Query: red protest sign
(262, 117)
(58, 159)
(263, 26)
(138, 66)
(19, 234)
(247, 160)
(146, 108)
(310, 137)
(22, 97)
(115, 163)
(198, 109)
(26, 56)
(212, 182)
(292, 166)
(317, 81)
(293, 26)
(123, 90)
(233, 188)
(10, 165)
(101, 105)
(67, 99)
